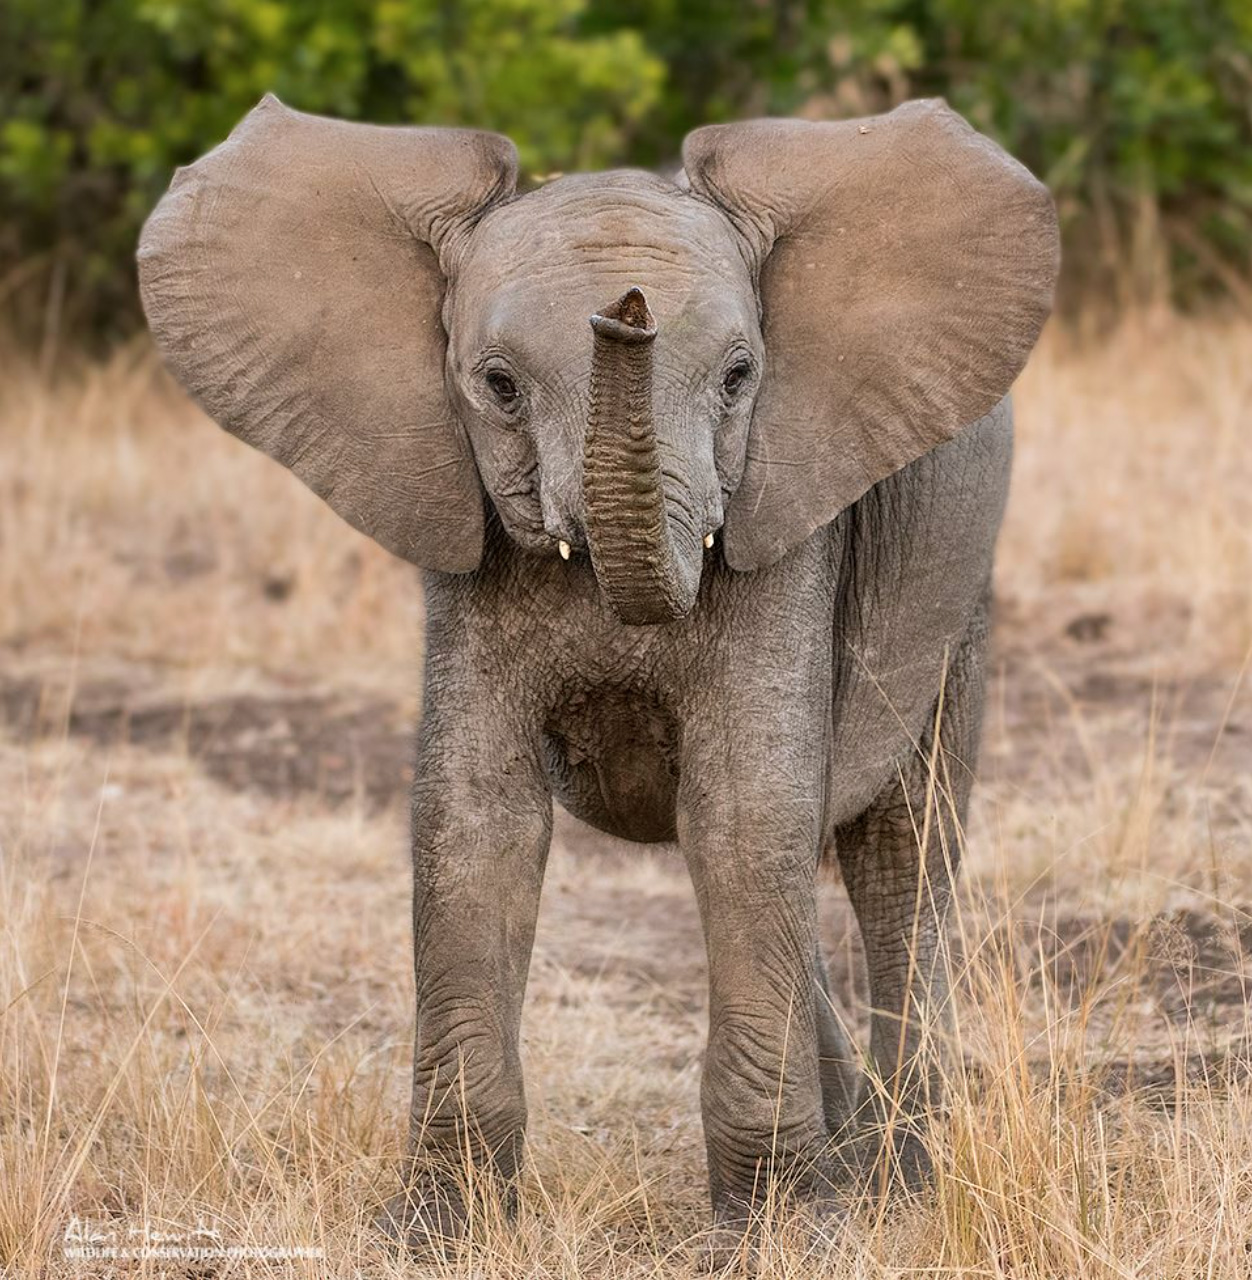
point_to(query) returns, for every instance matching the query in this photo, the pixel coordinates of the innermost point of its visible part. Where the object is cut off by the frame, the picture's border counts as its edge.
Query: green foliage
(1138, 113)
(101, 99)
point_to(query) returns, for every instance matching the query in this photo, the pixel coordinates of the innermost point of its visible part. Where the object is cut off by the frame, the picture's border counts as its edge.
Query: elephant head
(625, 364)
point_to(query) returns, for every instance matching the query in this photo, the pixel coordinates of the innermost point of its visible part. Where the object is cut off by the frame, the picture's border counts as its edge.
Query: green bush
(1138, 113)
(101, 99)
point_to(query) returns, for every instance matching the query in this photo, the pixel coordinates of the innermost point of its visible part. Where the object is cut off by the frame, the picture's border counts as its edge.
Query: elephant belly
(613, 761)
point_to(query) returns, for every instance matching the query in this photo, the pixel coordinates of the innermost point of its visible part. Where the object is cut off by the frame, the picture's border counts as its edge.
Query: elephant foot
(747, 1240)
(895, 1163)
(797, 1215)
(434, 1213)
(426, 1221)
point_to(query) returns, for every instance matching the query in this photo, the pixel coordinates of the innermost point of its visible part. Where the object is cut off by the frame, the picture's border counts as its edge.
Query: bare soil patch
(336, 746)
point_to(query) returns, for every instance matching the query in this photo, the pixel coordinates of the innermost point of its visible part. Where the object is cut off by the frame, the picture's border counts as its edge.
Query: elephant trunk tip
(629, 319)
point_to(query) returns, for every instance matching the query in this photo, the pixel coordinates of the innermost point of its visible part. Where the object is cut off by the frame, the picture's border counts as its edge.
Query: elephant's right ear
(292, 279)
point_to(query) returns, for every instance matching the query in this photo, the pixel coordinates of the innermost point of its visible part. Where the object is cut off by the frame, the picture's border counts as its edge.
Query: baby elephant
(706, 476)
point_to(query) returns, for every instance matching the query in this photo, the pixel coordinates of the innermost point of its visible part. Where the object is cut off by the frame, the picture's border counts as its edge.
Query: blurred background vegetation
(1137, 113)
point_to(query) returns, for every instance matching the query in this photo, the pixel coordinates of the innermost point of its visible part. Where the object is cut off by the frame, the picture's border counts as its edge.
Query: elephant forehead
(580, 242)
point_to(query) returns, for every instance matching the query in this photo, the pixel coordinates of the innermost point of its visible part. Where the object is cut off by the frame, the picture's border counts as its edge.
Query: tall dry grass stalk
(205, 998)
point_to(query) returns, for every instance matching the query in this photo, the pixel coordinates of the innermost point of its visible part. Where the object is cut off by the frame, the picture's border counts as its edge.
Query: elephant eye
(736, 376)
(503, 388)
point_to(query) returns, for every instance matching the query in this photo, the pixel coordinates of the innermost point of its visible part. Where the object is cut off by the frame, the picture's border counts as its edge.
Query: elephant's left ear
(293, 279)
(907, 265)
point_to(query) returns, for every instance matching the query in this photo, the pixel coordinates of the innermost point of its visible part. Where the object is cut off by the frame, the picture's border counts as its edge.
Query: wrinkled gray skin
(787, 717)
(609, 344)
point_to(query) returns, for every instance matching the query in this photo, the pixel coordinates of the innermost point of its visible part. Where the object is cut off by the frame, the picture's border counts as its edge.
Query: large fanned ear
(906, 267)
(292, 280)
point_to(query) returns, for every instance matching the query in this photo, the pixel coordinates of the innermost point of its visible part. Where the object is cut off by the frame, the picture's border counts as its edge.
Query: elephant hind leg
(899, 861)
(837, 1060)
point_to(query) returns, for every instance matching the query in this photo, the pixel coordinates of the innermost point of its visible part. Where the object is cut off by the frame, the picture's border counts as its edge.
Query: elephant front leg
(482, 818)
(750, 842)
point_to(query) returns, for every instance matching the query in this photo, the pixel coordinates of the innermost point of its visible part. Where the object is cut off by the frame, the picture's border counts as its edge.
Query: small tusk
(708, 540)
(563, 548)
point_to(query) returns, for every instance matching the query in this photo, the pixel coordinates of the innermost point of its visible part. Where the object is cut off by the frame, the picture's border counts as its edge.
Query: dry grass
(1134, 479)
(204, 988)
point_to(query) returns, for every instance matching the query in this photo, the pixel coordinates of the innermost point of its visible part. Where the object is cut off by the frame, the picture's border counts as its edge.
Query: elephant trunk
(641, 531)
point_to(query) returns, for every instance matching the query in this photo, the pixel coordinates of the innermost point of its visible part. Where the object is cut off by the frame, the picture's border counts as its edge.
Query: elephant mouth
(645, 542)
